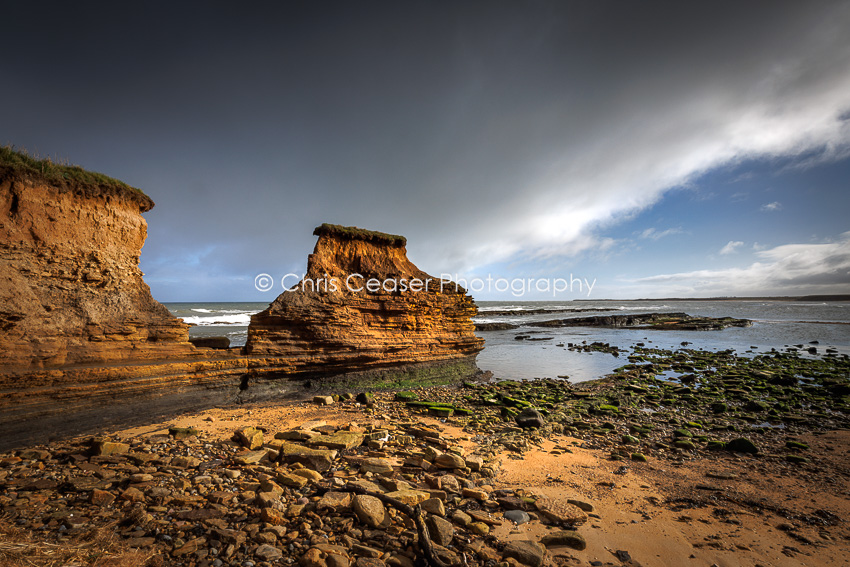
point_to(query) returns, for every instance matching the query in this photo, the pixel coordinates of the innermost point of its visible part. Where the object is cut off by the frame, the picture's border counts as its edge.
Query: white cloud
(791, 269)
(774, 206)
(731, 247)
(653, 234)
(593, 173)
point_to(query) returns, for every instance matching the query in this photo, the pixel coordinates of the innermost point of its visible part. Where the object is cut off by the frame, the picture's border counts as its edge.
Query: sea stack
(362, 306)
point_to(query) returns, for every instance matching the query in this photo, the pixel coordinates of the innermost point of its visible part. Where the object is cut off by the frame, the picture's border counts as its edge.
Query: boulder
(369, 510)
(530, 417)
(440, 530)
(526, 552)
(742, 445)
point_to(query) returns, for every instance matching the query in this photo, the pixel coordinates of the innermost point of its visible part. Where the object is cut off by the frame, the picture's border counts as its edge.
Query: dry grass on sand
(97, 547)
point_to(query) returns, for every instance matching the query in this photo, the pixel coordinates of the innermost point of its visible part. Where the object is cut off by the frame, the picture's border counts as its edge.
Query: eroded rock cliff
(83, 344)
(363, 305)
(71, 291)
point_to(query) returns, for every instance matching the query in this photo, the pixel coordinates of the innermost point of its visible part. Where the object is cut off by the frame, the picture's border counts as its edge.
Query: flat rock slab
(561, 511)
(410, 497)
(317, 459)
(376, 465)
(339, 441)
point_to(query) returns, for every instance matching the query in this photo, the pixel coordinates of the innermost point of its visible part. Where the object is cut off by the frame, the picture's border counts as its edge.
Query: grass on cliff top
(354, 233)
(19, 161)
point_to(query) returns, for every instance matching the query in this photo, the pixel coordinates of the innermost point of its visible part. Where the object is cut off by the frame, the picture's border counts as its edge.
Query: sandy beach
(677, 508)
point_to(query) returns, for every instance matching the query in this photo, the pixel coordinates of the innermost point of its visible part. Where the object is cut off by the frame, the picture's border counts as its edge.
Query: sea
(777, 324)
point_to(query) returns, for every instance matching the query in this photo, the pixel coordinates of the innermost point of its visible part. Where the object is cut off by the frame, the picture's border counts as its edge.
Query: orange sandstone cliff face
(82, 342)
(71, 291)
(362, 305)
(83, 345)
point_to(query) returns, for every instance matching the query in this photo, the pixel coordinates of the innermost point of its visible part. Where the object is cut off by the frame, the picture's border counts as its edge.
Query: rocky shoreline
(653, 321)
(679, 453)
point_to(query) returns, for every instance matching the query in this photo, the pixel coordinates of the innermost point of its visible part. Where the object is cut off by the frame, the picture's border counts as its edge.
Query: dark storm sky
(662, 148)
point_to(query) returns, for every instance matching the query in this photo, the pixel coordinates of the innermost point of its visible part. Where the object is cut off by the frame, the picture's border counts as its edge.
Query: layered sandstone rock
(83, 344)
(363, 305)
(71, 291)
(82, 341)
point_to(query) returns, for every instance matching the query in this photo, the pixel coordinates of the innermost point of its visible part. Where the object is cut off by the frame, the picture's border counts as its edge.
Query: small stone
(297, 435)
(34, 455)
(272, 516)
(105, 448)
(447, 556)
(529, 418)
(339, 441)
(335, 501)
(317, 459)
(292, 480)
(250, 437)
(479, 528)
(440, 530)
(366, 551)
(190, 546)
(140, 477)
(526, 552)
(251, 457)
(461, 518)
(101, 497)
(376, 465)
(475, 493)
(411, 497)
(742, 445)
(517, 516)
(313, 558)
(369, 510)
(560, 511)
(323, 400)
(182, 462)
(450, 461)
(182, 432)
(724, 475)
(133, 495)
(268, 553)
(434, 506)
(309, 474)
(397, 560)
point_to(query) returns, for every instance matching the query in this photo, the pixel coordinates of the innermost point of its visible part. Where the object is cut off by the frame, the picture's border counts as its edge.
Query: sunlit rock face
(363, 305)
(71, 291)
(82, 341)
